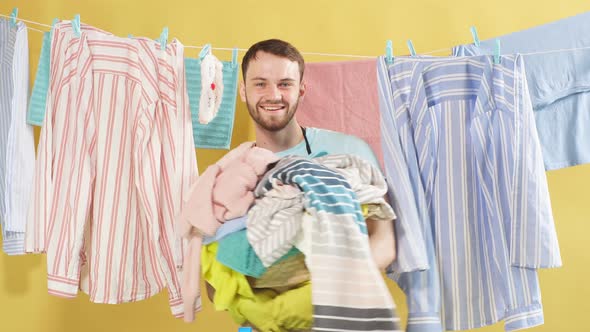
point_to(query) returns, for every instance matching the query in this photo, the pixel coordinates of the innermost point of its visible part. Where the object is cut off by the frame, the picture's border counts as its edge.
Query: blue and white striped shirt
(484, 186)
(11, 241)
(20, 150)
(17, 146)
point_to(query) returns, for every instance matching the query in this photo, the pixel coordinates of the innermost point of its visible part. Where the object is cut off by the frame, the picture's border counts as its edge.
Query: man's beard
(272, 123)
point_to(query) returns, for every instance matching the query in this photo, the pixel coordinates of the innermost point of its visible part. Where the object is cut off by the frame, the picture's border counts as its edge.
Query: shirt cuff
(177, 306)
(14, 243)
(424, 322)
(523, 318)
(62, 286)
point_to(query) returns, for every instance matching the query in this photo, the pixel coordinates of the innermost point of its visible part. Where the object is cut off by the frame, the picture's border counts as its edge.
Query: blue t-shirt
(323, 141)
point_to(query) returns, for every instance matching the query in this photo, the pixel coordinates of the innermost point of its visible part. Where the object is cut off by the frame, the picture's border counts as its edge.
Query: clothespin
(389, 52)
(245, 329)
(234, 57)
(497, 52)
(206, 50)
(13, 16)
(475, 37)
(411, 47)
(76, 25)
(163, 38)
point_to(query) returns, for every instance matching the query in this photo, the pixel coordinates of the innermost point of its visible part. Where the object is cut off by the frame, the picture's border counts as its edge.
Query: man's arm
(381, 233)
(382, 242)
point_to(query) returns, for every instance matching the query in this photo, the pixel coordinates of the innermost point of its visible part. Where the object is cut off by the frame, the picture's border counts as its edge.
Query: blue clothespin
(234, 57)
(206, 50)
(76, 25)
(245, 329)
(389, 52)
(497, 52)
(163, 38)
(411, 47)
(13, 16)
(475, 37)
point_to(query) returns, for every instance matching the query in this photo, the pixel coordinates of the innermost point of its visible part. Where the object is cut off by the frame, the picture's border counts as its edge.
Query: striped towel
(348, 292)
(36, 113)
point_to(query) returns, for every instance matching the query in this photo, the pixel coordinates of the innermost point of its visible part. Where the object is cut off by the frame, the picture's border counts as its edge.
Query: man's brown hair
(276, 47)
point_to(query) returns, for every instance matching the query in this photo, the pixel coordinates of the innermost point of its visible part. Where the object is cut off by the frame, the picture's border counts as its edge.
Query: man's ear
(302, 88)
(242, 91)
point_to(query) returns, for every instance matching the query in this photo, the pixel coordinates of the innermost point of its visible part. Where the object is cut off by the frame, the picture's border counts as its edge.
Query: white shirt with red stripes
(116, 156)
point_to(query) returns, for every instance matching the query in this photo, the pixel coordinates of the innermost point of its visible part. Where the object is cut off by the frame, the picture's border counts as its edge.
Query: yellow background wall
(346, 27)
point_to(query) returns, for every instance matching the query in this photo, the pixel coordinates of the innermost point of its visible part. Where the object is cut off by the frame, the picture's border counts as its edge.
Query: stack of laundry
(317, 206)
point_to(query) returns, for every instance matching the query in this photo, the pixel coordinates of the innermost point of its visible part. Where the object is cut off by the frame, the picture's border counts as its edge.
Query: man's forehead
(269, 66)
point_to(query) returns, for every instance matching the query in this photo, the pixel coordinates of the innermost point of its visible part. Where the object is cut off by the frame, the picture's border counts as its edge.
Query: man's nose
(274, 93)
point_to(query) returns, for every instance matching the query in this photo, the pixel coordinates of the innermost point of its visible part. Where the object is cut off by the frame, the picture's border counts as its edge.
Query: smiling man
(272, 88)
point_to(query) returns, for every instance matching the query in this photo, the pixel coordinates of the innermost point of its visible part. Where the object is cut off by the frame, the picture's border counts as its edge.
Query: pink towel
(223, 192)
(342, 96)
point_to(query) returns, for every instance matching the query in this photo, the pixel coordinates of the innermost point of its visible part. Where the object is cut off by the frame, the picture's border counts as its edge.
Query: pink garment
(223, 192)
(342, 96)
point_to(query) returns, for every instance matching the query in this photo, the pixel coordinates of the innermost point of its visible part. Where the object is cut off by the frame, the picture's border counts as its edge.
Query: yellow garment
(234, 294)
(272, 312)
(365, 210)
(229, 285)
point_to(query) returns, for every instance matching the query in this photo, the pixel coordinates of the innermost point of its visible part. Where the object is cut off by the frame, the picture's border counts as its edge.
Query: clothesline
(32, 22)
(318, 53)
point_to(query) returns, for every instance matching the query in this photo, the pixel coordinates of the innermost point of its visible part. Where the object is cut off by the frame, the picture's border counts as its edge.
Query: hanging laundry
(342, 96)
(217, 132)
(38, 100)
(397, 90)
(17, 143)
(559, 85)
(336, 300)
(116, 148)
(481, 169)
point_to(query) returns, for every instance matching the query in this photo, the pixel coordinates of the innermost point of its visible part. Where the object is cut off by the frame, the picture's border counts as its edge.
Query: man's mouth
(273, 108)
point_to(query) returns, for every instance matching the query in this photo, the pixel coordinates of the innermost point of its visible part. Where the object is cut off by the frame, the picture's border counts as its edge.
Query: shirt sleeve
(75, 164)
(533, 240)
(411, 250)
(20, 150)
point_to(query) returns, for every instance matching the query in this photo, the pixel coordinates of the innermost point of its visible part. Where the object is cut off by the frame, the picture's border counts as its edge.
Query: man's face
(272, 90)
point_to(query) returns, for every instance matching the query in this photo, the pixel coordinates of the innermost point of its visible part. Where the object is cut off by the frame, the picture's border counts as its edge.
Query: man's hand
(382, 242)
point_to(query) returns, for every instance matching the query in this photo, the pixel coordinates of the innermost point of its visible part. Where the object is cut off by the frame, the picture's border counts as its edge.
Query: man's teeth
(273, 108)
